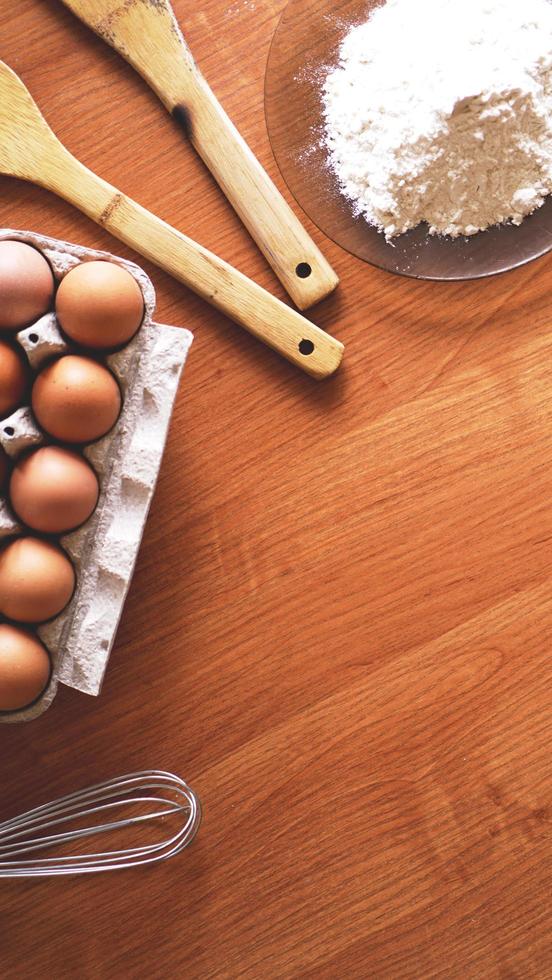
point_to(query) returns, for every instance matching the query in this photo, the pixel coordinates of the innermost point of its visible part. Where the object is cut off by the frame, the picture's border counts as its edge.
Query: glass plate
(305, 45)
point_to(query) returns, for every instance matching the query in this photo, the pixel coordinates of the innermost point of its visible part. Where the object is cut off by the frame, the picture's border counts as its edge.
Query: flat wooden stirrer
(147, 35)
(31, 151)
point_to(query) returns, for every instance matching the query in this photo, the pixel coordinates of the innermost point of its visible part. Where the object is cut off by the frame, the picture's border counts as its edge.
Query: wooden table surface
(340, 626)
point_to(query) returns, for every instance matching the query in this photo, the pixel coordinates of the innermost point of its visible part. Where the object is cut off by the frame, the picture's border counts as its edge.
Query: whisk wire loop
(25, 834)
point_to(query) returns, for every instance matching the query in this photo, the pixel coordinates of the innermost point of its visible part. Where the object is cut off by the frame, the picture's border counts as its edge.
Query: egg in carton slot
(127, 460)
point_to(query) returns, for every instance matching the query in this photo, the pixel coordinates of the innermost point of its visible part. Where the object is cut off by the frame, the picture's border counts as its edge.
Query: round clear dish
(305, 45)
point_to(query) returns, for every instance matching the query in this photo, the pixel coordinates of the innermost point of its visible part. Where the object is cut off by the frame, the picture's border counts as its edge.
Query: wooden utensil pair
(146, 33)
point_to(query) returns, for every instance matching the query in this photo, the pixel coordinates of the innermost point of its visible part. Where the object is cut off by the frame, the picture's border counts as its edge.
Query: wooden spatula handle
(147, 34)
(296, 260)
(245, 302)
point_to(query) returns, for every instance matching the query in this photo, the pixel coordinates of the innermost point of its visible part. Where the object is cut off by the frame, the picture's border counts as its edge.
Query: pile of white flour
(441, 111)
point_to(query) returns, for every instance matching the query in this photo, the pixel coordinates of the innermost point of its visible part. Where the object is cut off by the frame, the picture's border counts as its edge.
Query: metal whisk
(160, 795)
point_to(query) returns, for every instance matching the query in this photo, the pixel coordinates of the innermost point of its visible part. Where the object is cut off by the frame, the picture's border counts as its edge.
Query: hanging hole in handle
(303, 270)
(8, 431)
(306, 347)
(33, 337)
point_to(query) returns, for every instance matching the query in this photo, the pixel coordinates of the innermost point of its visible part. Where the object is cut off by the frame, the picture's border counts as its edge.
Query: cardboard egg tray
(127, 462)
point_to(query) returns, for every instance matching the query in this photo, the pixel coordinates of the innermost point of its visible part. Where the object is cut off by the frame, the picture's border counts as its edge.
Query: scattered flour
(239, 7)
(441, 111)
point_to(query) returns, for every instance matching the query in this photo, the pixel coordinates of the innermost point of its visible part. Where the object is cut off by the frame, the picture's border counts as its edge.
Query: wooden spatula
(146, 33)
(30, 150)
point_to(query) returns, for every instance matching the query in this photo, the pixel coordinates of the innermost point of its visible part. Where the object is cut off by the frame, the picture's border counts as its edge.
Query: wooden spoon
(147, 35)
(30, 150)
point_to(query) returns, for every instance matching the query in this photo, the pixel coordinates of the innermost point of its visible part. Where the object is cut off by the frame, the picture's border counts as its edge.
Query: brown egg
(99, 305)
(53, 490)
(37, 580)
(24, 668)
(26, 285)
(75, 399)
(13, 379)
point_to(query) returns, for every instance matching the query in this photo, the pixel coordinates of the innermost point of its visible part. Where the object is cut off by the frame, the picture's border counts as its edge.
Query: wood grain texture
(340, 626)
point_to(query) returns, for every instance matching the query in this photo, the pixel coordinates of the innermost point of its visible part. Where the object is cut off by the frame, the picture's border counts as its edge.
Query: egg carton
(127, 461)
